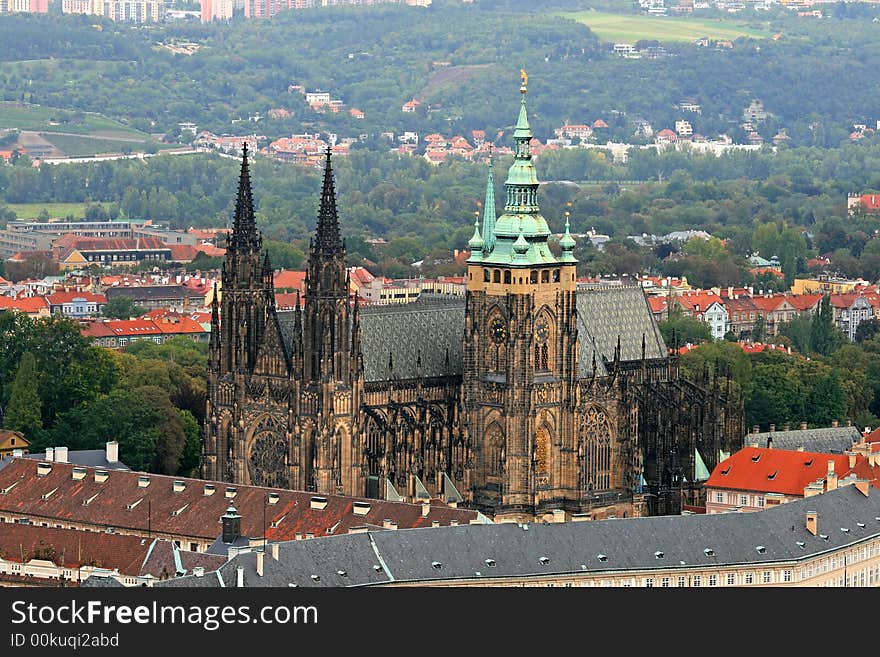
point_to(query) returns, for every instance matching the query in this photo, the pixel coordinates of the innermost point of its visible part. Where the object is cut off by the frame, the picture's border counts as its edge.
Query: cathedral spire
(244, 227)
(327, 233)
(489, 208)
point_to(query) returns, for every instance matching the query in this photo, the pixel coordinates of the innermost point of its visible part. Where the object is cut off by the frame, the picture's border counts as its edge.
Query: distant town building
(135, 11)
(216, 10)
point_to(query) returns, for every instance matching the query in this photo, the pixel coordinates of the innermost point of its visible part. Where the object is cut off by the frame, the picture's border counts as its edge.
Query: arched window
(496, 276)
(486, 276)
(493, 454)
(542, 451)
(594, 449)
(507, 276)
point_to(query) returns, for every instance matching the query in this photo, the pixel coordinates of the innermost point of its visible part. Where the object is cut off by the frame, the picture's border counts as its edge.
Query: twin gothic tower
(527, 395)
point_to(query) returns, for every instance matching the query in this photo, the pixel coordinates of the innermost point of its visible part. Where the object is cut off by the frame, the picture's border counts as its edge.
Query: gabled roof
(71, 548)
(25, 304)
(194, 507)
(476, 554)
(774, 470)
(829, 440)
(58, 298)
(286, 278)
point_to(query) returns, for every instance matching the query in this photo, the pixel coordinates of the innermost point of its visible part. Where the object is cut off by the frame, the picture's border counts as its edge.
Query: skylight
(437, 565)
(490, 563)
(544, 560)
(659, 555)
(602, 557)
(761, 549)
(709, 552)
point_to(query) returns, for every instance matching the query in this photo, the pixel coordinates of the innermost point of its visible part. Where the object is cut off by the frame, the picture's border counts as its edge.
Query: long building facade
(530, 394)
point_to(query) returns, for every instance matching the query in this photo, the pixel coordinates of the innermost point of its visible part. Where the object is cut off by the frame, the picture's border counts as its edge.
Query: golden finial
(525, 80)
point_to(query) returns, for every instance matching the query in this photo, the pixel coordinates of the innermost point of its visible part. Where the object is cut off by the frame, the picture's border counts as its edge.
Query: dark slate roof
(93, 458)
(608, 311)
(97, 581)
(151, 292)
(429, 328)
(829, 440)
(629, 544)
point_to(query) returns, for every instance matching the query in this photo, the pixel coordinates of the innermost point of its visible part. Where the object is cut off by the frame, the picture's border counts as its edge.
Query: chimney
(274, 550)
(849, 423)
(50, 454)
(261, 556)
(756, 429)
(812, 522)
(426, 509)
(17, 453)
(112, 452)
(803, 426)
(786, 427)
(833, 424)
(239, 577)
(231, 525)
(831, 477)
(772, 428)
(389, 524)
(852, 459)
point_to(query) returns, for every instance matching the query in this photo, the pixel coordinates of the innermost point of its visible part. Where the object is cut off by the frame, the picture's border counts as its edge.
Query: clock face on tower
(542, 331)
(498, 330)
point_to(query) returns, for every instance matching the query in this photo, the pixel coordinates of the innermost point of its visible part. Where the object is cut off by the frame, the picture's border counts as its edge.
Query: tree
(681, 329)
(867, 329)
(192, 447)
(24, 412)
(758, 330)
(825, 337)
(122, 307)
(827, 400)
(798, 331)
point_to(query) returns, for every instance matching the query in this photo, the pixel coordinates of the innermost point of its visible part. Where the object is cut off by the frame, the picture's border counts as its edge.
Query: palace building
(529, 395)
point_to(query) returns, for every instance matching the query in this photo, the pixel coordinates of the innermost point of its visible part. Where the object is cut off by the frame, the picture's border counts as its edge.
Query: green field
(78, 146)
(56, 210)
(632, 28)
(35, 117)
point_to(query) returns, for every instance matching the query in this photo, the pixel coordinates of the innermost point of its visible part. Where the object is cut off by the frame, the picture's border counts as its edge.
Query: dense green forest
(791, 204)
(376, 58)
(58, 389)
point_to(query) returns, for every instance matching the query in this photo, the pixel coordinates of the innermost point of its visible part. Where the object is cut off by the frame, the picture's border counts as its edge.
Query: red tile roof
(71, 548)
(692, 300)
(183, 252)
(58, 298)
(871, 202)
(805, 301)
(190, 512)
(774, 470)
(288, 279)
(770, 302)
(31, 305)
(658, 304)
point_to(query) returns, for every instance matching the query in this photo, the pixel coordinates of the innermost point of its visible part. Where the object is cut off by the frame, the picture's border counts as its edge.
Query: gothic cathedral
(530, 395)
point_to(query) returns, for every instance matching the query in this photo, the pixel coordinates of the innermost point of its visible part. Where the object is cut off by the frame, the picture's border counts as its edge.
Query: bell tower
(520, 346)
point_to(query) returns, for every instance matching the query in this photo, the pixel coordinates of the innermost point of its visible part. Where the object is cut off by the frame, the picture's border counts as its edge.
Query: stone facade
(527, 395)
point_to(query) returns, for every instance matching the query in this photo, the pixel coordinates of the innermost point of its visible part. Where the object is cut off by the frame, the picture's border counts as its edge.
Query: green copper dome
(519, 236)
